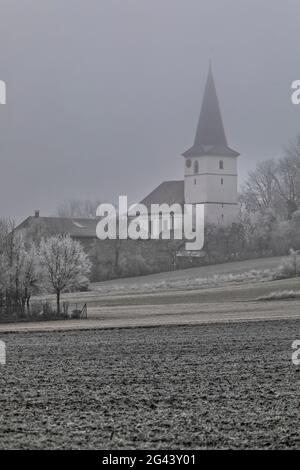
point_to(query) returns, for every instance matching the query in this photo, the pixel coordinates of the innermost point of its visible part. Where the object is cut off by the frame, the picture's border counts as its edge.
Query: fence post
(2, 353)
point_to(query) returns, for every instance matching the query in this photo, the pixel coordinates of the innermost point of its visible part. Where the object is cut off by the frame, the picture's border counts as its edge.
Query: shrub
(290, 266)
(76, 314)
(36, 309)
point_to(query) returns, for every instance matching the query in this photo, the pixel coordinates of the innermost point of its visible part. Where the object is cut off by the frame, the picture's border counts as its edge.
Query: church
(210, 178)
(210, 168)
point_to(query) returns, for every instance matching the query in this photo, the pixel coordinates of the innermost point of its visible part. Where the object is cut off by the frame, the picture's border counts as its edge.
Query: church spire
(210, 130)
(210, 135)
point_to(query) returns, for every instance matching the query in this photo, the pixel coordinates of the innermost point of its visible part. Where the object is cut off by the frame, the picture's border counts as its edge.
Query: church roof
(210, 136)
(168, 192)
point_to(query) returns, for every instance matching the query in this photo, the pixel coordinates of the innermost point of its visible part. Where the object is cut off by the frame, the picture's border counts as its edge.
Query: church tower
(210, 175)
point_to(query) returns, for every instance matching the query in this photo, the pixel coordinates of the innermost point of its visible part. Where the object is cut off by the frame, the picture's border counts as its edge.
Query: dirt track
(168, 314)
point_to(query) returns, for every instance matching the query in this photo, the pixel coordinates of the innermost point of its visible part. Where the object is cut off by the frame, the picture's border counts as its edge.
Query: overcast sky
(104, 95)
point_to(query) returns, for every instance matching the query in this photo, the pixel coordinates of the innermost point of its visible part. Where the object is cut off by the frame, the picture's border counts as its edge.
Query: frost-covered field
(227, 293)
(208, 386)
(194, 278)
(199, 367)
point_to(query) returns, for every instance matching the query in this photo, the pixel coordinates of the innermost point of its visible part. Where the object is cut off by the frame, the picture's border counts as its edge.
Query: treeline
(269, 222)
(29, 267)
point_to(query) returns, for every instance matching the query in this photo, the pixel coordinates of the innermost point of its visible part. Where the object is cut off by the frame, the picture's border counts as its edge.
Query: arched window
(196, 166)
(221, 165)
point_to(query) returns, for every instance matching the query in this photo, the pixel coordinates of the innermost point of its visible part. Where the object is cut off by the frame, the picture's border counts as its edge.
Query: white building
(210, 168)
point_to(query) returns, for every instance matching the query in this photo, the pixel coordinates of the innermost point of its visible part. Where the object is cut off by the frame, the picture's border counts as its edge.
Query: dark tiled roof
(77, 227)
(210, 136)
(210, 150)
(169, 192)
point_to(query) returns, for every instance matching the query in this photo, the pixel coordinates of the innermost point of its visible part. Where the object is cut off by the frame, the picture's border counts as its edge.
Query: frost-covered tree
(20, 270)
(288, 180)
(260, 188)
(275, 185)
(3, 278)
(65, 263)
(31, 275)
(78, 208)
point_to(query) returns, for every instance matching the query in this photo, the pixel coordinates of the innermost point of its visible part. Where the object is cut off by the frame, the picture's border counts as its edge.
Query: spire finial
(210, 59)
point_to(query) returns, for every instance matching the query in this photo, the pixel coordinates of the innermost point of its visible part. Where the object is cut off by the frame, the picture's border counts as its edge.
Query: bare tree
(78, 208)
(259, 191)
(288, 180)
(65, 263)
(31, 276)
(20, 268)
(7, 237)
(3, 279)
(275, 185)
(293, 149)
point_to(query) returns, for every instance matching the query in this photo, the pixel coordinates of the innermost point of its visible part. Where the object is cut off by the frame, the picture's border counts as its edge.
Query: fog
(103, 96)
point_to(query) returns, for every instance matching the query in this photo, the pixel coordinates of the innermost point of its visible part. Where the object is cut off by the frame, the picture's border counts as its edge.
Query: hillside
(186, 277)
(213, 294)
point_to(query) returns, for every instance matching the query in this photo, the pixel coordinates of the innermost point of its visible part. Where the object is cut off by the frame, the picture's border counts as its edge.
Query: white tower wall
(213, 186)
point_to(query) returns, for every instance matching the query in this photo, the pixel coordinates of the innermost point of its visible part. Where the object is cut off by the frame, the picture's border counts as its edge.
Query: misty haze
(103, 99)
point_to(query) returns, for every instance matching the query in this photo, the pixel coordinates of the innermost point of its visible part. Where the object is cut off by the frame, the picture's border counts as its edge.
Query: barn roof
(75, 227)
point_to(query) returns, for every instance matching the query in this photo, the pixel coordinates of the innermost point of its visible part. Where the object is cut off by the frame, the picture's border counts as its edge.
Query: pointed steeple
(210, 135)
